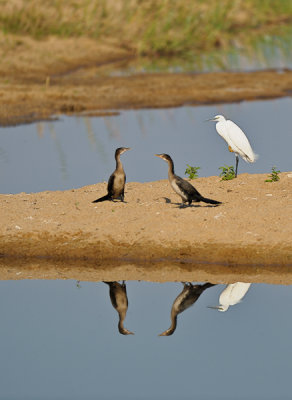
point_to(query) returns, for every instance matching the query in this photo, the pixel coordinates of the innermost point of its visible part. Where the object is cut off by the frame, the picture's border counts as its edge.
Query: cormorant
(119, 299)
(182, 187)
(117, 180)
(184, 300)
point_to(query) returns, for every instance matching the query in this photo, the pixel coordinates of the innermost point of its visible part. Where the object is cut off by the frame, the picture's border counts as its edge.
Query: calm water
(78, 151)
(58, 341)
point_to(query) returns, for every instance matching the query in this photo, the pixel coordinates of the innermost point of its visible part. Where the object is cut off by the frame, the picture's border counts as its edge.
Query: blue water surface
(58, 341)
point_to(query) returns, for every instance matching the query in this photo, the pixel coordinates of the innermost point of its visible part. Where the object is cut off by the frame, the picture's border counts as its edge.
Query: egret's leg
(236, 164)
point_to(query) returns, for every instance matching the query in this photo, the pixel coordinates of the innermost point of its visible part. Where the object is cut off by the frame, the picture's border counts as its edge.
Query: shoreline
(27, 102)
(81, 270)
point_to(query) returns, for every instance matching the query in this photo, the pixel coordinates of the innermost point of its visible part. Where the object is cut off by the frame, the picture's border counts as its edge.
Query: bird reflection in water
(184, 300)
(231, 295)
(119, 299)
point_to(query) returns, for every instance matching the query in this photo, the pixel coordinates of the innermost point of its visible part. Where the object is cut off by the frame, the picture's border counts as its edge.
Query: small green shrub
(273, 177)
(192, 172)
(227, 172)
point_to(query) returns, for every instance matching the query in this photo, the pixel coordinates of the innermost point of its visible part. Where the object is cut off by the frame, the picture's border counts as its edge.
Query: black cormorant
(182, 187)
(117, 180)
(119, 299)
(184, 300)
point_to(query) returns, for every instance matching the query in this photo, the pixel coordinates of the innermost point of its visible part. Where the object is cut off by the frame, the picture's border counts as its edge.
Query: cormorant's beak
(125, 331)
(158, 155)
(164, 334)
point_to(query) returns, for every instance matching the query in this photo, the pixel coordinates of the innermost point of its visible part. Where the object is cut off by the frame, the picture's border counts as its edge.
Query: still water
(77, 151)
(60, 340)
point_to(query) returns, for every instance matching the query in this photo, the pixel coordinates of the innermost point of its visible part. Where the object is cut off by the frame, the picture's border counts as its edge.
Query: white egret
(237, 141)
(232, 295)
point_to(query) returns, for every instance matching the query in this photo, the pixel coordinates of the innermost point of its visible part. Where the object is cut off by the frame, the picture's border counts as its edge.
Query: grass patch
(227, 172)
(274, 176)
(192, 172)
(159, 27)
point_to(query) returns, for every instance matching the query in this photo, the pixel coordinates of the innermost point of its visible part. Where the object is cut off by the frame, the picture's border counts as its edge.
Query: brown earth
(64, 235)
(39, 79)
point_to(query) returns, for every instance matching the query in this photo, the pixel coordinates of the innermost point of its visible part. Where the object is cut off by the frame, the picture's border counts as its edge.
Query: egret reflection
(119, 299)
(184, 300)
(231, 295)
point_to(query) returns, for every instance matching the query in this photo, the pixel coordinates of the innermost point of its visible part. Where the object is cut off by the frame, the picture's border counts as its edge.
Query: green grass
(157, 27)
(227, 172)
(192, 172)
(274, 176)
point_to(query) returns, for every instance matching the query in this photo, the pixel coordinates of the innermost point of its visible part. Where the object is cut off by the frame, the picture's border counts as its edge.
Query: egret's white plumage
(235, 138)
(232, 295)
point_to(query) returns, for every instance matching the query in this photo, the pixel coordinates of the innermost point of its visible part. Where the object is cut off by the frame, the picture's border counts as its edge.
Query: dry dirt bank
(40, 79)
(150, 237)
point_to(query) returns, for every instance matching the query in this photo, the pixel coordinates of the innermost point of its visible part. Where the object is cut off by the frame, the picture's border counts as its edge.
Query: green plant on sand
(274, 176)
(192, 172)
(227, 172)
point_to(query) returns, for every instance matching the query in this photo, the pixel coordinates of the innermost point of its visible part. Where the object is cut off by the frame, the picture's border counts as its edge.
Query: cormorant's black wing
(193, 292)
(110, 184)
(186, 187)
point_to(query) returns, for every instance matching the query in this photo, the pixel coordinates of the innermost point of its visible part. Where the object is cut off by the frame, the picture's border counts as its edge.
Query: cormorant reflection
(184, 300)
(231, 295)
(119, 299)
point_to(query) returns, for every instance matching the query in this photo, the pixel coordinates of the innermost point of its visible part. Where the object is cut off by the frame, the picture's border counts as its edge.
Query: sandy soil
(150, 237)
(39, 79)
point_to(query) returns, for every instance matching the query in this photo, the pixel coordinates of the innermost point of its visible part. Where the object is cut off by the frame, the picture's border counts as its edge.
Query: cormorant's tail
(103, 198)
(210, 201)
(208, 285)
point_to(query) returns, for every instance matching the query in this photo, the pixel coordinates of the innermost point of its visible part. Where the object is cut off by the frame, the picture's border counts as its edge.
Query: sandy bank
(251, 228)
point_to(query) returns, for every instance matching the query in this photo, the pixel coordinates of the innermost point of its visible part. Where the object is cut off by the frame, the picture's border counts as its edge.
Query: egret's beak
(211, 119)
(215, 307)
